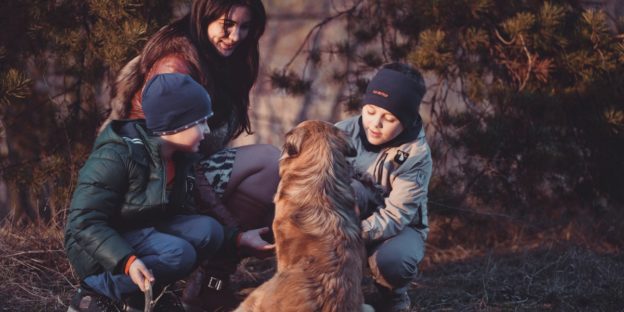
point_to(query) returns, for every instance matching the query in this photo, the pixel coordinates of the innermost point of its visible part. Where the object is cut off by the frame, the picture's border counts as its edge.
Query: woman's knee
(256, 158)
(255, 172)
(267, 154)
(269, 163)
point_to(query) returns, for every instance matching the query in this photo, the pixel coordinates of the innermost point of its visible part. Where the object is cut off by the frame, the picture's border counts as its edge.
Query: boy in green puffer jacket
(133, 223)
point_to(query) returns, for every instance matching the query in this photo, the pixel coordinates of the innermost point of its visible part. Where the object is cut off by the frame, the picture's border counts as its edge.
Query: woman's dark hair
(233, 76)
(227, 79)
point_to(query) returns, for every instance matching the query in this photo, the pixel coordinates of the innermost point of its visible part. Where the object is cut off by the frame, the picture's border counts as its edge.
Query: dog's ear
(292, 143)
(289, 150)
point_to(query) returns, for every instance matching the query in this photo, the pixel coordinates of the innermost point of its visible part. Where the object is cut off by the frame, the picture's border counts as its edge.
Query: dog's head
(315, 187)
(316, 138)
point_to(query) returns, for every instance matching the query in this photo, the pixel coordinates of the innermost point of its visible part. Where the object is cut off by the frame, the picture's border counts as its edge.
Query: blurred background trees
(524, 110)
(57, 59)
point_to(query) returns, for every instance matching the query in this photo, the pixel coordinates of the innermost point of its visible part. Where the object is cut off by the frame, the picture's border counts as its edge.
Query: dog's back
(319, 249)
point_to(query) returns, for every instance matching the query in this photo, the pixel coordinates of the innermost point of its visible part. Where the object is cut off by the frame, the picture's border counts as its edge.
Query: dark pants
(394, 261)
(170, 250)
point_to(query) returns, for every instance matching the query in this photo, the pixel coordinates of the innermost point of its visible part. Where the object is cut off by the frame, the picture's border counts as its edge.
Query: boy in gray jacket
(392, 150)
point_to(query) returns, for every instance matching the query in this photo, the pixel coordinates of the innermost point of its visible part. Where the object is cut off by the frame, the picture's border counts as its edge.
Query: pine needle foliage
(57, 62)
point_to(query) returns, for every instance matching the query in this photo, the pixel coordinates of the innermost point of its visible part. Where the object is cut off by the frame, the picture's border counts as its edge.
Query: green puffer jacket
(122, 186)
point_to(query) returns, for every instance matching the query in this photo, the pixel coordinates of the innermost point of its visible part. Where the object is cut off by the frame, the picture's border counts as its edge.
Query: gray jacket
(403, 172)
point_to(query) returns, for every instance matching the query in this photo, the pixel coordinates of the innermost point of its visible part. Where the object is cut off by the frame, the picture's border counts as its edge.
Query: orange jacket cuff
(129, 263)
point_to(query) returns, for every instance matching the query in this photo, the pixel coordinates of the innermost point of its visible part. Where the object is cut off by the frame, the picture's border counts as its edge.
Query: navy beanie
(174, 102)
(397, 93)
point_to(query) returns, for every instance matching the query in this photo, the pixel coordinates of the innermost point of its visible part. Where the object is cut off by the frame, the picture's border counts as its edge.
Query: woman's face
(229, 30)
(380, 125)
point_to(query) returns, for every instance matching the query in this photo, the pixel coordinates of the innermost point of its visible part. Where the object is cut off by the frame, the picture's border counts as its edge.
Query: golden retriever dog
(320, 253)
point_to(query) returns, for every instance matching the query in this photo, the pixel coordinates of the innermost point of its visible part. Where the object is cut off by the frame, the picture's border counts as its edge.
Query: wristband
(129, 263)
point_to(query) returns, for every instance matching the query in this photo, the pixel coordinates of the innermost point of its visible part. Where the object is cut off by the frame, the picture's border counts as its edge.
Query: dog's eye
(290, 149)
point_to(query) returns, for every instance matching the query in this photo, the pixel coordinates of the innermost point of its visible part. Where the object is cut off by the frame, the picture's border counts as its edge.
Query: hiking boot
(206, 291)
(89, 301)
(395, 300)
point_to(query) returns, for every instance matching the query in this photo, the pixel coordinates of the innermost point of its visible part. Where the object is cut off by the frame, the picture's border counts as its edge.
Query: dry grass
(559, 277)
(34, 272)
(546, 271)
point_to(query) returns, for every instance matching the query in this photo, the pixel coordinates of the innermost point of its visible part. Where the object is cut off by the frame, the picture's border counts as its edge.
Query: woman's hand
(141, 275)
(251, 242)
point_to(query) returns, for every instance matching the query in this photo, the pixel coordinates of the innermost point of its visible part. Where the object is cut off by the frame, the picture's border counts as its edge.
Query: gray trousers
(393, 262)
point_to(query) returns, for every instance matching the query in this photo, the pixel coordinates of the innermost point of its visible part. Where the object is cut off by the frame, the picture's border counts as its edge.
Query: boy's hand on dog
(251, 242)
(141, 275)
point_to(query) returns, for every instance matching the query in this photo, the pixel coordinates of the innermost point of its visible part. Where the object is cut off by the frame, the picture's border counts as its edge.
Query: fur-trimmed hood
(134, 74)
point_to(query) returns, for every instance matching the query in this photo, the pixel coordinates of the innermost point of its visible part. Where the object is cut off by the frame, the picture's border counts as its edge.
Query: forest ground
(547, 271)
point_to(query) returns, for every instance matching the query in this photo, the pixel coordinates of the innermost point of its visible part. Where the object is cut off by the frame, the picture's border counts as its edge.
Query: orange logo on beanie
(380, 93)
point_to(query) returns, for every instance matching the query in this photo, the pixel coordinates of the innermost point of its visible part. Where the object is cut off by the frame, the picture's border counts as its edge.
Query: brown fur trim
(128, 81)
(168, 40)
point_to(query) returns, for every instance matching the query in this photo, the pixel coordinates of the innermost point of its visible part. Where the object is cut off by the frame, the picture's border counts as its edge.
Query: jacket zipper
(164, 181)
(379, 166)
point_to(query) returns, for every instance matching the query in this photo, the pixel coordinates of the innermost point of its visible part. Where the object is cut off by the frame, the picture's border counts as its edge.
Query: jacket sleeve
(407, 200)
(102, 183)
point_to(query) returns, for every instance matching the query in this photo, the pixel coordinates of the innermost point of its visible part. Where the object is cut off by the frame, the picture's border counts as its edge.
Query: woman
(217, 45)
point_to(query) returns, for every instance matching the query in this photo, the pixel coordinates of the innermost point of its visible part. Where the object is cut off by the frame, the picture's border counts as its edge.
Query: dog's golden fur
(319, 249)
